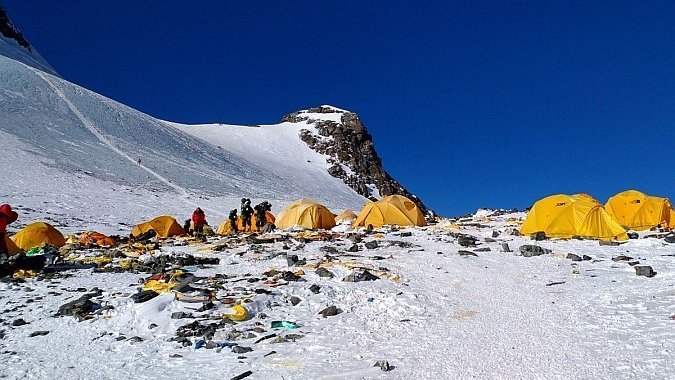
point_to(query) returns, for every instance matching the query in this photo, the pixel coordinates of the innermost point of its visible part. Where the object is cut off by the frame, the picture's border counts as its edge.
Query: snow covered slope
(75, 131)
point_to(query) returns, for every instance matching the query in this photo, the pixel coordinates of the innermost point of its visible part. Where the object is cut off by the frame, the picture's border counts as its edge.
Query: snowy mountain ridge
(14, 45)
(81, 136)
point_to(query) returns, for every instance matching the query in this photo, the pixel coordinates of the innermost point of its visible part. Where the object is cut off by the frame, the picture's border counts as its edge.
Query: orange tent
(93, 237)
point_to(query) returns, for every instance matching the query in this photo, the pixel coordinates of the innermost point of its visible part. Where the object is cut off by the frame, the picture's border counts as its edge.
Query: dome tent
(37, 234)
(565, 216)
(165, 226)
(639, 211)
(306, 213)
(391, 210)
(346, 215)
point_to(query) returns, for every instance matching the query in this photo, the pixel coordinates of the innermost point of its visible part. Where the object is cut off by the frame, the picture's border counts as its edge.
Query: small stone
(315, 289)
(323, 272)
(484, 249)
(670, 238)
(633, 235)
(505, 247)
(383, 364)
(329, 311)
(573, 257)
(495, 233)
(372, 244)
(644, 270)
(609, 243)
(241, 349)
(211, 345)
(622, 258)
(175, 356)
(152, 326)
(462, 252)
(180, 315)
(490, 240)
(295, 300)
(353, 248)
(529, 250)
(135, 339)
(38, 333)
(586, 258)
(538, 236)
(19, 322)
(406, 234)
(466, 240)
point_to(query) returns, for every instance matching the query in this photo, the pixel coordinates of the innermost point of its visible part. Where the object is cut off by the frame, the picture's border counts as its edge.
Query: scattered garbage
(284, 325)
(364, 275)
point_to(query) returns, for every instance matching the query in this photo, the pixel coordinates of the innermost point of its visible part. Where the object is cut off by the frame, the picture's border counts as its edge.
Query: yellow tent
(225, 228)
(639, 211)
(672, 219)
(38, 233)
(11, 246)
(392, 209)
(306, 213)
(345, 215)
(164, 226)
(565, 216)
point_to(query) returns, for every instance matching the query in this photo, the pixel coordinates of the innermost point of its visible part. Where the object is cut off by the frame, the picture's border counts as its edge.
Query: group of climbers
(195, 226)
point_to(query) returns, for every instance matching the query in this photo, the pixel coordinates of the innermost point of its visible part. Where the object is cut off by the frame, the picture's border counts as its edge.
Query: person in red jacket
(198, 221)
(7, 216)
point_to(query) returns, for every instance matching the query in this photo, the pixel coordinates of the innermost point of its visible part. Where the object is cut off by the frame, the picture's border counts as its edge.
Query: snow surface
(449, 316)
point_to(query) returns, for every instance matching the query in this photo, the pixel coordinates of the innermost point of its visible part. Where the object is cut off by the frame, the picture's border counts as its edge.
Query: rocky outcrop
(352, 155)
(8, 30)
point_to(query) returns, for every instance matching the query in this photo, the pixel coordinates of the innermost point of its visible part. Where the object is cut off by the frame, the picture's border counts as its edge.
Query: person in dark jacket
(246, 214)
(198, 221)
(260, 218)
(7, 216)
(233, 220)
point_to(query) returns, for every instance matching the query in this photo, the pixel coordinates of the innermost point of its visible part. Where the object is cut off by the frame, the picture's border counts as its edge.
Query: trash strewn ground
(459, 299)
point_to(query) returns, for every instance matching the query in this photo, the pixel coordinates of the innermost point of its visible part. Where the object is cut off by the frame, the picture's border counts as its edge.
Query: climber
(233, 220)
(198, 221)
(7, 216)
(246, 213)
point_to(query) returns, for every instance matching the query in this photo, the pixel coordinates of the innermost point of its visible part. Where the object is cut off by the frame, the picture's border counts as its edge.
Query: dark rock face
(349, 145)
(8, 30)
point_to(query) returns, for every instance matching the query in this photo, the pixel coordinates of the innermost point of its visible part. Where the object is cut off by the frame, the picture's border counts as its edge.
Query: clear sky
(470, 103)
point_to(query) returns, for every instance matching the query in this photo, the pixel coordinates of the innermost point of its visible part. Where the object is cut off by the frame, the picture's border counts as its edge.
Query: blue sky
(471, 104)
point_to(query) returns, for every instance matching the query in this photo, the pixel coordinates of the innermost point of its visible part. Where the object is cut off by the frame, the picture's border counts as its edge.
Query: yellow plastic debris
(160, 286)
(126, 263)
(22, 273)
(238, 314)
